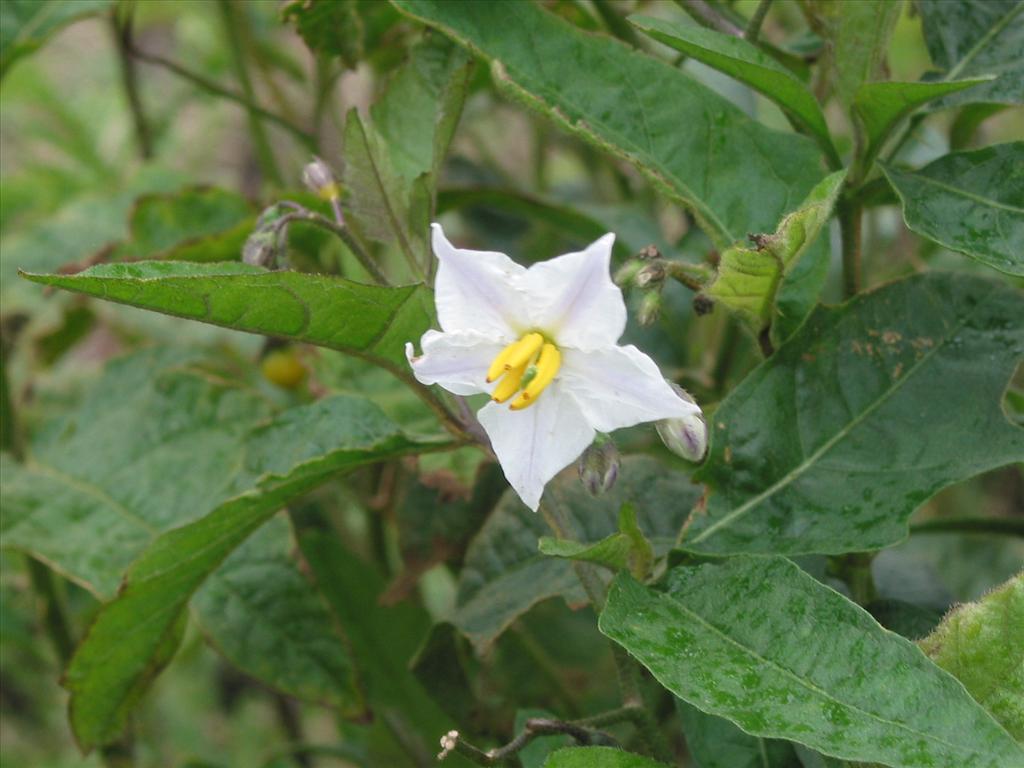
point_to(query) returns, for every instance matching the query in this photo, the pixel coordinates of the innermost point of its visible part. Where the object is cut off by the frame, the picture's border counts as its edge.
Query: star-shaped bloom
(543, 343)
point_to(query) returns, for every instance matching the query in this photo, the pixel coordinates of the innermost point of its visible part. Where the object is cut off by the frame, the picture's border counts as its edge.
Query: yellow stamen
(514, 355)
(509, 385)
(548, 363)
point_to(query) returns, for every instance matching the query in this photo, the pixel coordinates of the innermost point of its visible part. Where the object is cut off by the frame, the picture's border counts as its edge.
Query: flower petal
(535, 444)
(573, 297)
(618, 387)
(476, 290)
(456, 361)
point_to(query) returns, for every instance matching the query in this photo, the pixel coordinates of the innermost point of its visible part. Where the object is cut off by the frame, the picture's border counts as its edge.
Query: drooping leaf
(980, 644)
(264, 616)
(599, 757)
(25, 25)
(734, 174)
(384, 640)
(968, 38)
(760, 642)
(750, 278)
(716, 742)
(297, 451)
(865, 413)
(747, 63)
(971, 202)
(857, 36)
(881, 106)
(367, 321)
(504, 574)
(198, 224)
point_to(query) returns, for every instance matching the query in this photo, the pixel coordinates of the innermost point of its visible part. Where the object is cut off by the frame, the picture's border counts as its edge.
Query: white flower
(543, 343)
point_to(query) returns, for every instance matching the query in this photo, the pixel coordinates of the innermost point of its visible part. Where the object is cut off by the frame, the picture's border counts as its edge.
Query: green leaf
(367, 321)
(332, 27)
(734, 174)
(263, 615)
(383, 640)
(971, 202)
(715, 742)
(762, 643)
(881, 106)
(749, 279)
(504, 575)
(747, 63)
(392, 160)
(865, 413)
(967, 38)
(156, 442)
(294, 453)
(599, 757)
(627, 549)
(198, 224)
(980, 643)
(858, 38)
(26, 24)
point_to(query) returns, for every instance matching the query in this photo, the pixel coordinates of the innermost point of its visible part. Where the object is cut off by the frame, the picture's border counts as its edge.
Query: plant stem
(303, 214)
(753, 30)
(204, 83)
(851, 213)
(707, 16)
(122, 30)
(55, 619)
(617, 25)
(264, 153)
(998, 525)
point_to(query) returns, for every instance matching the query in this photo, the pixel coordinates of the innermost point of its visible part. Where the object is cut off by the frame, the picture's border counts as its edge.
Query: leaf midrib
(995, 30)
(809, 684)
(964, 193)
(808, 462)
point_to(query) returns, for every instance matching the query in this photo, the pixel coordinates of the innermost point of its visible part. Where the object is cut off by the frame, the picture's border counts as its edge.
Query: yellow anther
(548, 363)
(514, 355)
(527, 347)
(509, 385)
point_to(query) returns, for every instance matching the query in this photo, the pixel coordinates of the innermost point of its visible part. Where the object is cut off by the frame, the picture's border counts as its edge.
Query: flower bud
(686, 437)
(261, 249)
(319, 178)
(651, 275)
(599, 466)
(650, 308)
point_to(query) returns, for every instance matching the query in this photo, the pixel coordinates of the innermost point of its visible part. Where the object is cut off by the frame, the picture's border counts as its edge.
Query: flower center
(525, 366)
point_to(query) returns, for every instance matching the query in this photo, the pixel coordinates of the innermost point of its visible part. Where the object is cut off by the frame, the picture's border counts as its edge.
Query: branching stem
(338, 228)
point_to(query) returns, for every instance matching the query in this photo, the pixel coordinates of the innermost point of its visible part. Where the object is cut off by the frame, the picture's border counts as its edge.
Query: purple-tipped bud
(686, 437)
(319, 178)
(599, 466)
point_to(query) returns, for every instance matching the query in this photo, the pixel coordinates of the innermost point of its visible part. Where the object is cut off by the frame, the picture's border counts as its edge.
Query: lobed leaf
(980, 643)
(968, 38)
(865, 413)
(368, 321)
(734, 174)
(760, 642)
(750, 65)
(291, 455)
(971, 202)
(504, 575)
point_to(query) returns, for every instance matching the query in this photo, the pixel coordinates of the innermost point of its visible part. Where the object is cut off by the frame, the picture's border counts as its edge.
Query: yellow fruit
(281, 367)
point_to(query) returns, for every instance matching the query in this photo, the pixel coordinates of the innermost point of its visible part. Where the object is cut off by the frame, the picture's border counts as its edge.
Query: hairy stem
(338, 228)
